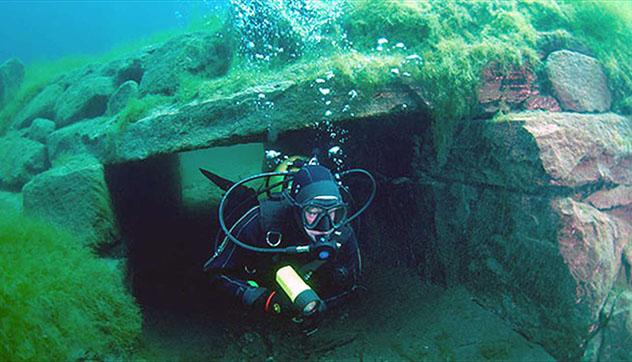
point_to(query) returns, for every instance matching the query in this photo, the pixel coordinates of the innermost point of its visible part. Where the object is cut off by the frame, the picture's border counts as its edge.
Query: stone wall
(533, 215)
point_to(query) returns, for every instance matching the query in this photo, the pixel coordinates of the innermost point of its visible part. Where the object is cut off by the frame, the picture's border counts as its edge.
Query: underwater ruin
(499, 134)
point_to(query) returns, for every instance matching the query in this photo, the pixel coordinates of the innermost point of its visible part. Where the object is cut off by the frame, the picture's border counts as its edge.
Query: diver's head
(319, 205)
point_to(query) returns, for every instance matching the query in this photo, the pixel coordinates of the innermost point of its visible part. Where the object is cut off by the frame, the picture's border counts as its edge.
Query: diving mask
(323, 214)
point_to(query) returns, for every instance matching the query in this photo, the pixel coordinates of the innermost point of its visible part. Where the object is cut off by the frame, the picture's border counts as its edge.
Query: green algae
(59, 302)
(45, 71)
(454, 41)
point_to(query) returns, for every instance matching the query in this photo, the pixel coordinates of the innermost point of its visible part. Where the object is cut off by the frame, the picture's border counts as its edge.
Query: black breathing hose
(290, 249)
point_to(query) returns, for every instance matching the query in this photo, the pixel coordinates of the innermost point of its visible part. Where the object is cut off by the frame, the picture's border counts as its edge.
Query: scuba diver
(293, 253)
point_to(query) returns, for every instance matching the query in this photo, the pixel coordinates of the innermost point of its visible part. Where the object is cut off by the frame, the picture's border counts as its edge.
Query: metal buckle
(276, 242)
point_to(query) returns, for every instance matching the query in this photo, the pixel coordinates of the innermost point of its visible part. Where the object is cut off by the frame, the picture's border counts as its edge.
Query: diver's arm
(347, 270)
(229, 264)
(238, 291)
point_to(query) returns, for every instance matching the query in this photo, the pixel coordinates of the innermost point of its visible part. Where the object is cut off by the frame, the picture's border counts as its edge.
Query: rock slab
(75, 196)
(84, 99)
(20, 160)
(578, 81)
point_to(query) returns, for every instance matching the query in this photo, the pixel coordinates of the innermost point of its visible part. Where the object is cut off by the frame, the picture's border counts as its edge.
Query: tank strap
(274, 216)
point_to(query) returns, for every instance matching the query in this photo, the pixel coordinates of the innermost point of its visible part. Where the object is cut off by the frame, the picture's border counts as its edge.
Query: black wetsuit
(232, 266)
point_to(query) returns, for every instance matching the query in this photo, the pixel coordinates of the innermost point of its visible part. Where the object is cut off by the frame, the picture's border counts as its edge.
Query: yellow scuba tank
(289, 164)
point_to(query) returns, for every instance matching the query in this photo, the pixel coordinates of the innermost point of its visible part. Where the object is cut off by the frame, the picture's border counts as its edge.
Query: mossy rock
(60, 302)
(20, 160)
(41, 106)
(197, 53)
(74, 195)
(11, 77)
(84, 99)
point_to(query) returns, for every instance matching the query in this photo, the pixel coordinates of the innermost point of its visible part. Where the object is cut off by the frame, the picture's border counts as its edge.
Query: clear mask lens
(313, 215)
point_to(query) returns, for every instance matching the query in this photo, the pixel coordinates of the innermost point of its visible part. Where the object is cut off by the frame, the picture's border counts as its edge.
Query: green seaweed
(455, 41)
(59, 302)
(606, 28)
(137, 109)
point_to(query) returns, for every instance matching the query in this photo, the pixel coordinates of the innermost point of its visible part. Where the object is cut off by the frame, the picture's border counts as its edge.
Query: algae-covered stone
(90, 137)
(591, 243)
(123, 70)
(85, 99)
(531, 216)
(20, 160)
(612, 336)
(197, 53)
(125, 92)
(578, 81)
(11, 199)
(42, 105)
(75, 195)
(531, 150)
(275, 29)
(11, 77)
(40, 129)
(238, 118)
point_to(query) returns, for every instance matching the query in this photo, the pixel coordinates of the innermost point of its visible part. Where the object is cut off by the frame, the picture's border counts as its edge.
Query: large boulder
(11, 77)
(126, 69)
(12, 200)
(532, 214)
(121, 96)
(75, 196)
(40, 129)
(615, 332)
(578, 81)
(196, 53)
(238, 118)
(41, 106)
(90, 137)
(87, 98)
(20, 160)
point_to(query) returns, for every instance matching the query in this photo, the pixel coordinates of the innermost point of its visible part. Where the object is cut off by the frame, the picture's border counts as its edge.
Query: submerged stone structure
(532, 210)
(520, 225)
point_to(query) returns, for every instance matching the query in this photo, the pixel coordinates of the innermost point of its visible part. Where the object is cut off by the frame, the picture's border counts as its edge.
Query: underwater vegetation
(58, 301)
(440, 46)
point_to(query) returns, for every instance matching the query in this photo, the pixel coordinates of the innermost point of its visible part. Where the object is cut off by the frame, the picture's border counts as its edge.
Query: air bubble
(271, 154)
